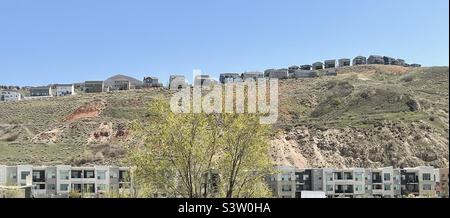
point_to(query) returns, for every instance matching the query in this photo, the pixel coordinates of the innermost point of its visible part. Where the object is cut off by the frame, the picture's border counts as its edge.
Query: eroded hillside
(366, 116)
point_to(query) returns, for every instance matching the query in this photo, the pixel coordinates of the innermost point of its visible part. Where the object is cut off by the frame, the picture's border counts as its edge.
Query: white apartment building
(64, 89)
(62, 180)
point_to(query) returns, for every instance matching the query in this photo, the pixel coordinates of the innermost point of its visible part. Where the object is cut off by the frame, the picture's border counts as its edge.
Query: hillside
(366, 116)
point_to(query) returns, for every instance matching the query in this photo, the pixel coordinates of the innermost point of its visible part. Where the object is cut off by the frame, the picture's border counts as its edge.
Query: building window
(64, 174)
(368, 187)
(426, 176)
(24, 174)
(427, 187)
(51, 175)
(89, 174)
(102, 187)
(358, 188)
(76, 174)
(387, 187)
(286, 188)
(101, 174)
(285, 177)
(387, 176)
(358, 176)
(64, 187)
(51, 186)
(89, 188)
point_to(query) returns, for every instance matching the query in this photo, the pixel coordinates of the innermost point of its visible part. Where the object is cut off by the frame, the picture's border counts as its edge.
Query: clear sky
(55, 41)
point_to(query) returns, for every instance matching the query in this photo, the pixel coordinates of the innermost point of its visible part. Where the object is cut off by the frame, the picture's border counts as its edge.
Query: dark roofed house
(359, 60)
(151, 81)
(317, 66)
(400, 62)
(41, 91)
(278, 74)
(344, 62)
(293, 68)
(375, 59)
(306, 67)
(229, 77)
(252, 75)
(330, 64)
(415, 65)
(388, 60)
(94, 86)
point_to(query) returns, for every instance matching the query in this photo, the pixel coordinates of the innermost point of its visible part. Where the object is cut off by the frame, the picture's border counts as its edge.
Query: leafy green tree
(178, 150)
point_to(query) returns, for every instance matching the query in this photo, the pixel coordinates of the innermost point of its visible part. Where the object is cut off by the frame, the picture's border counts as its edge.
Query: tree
(179, 151)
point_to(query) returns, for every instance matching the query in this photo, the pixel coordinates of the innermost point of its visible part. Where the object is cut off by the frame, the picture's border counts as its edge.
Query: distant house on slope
(41, 91)
(151, 81)
(10, 95)
(122, 82)
(359, 60)
(94, 86)
(64, 89)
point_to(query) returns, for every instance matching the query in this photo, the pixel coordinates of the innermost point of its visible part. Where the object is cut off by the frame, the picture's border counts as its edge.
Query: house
(317, 66)
(94, 86)
(375, 59)
(278, 74)
(388, 60)
(62, 180)
(359, 60)
(344, 62)
(305, 67)
(151, 81)
(122, 82)
(293, 68)
(415, 65)
(41, 91)
(177, 82)
(304, 74)
(330, 64)
(10, 95)
(204, 80)
(252, 75)
(229, 77)
(399, 62)
(64, 89)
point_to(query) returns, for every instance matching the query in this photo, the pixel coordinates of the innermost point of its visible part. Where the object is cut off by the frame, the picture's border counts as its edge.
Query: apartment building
(8, 95)
(386, 182)
(62, 180)
(418, 181)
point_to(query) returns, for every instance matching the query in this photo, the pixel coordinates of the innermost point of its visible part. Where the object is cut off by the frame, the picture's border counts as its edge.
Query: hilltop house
(330, 64)
(388, 60)
(203, 80)
(293, 68)
(229, 77)
(344, 62)
(359, 60)
(306, 67)
(94, 86)
(277, 74)
(151, 81)
(177, 82)
(41, 91)
(252, 75)
(375, 59)
(122, 82)
(317, 66)
(64, 89)
(10, 95)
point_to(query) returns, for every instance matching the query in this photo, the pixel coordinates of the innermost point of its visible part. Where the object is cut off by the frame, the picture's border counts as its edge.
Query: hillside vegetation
(367, 116)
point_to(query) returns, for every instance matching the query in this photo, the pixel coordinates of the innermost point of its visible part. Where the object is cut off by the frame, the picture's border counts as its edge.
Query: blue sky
(54, 41)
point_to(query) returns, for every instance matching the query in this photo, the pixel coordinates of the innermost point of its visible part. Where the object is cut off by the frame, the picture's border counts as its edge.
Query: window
(387, 187)
(51, 175)
(40, 187)
(101, 174)
(64, 174)
(368, 187)
(24, 174)
(89, 188)
(76, 174)
(102, 187)
(89, 174)
(64, 187)
(358, 188)
(387, 176)
(14, 175)
(427, 187)
(426, 176)
(329, 177)
(51, 186)
(285, 177)
(286, 188)
(358, 176)
(113, 175)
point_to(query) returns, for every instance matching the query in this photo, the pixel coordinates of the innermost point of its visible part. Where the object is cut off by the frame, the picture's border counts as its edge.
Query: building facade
(64, 180)
(6, 95)
(64, 89)
(177, 82)
(41, 91)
